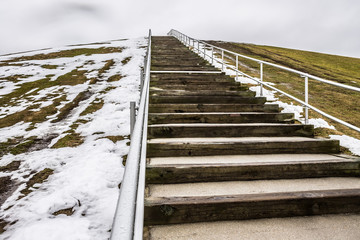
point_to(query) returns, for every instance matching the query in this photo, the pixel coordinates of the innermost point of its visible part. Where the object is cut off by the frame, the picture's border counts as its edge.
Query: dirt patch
(65, 111)
(17, 146)
(115, 78)
(13, 166)
(48, 66)
(39, 177)
(7, 187)
(3, 225)
(5, 182)
(66, 211)
(126, 60)
(114, 139)
(107, 66)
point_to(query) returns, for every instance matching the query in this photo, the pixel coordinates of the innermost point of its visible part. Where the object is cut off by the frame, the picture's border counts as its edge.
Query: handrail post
(237, 67)
(198, 47)
(261, 79)
(222, 60)
(212, 55)
(306, 99)
(132, 116)
(142, 78)
(204, 50)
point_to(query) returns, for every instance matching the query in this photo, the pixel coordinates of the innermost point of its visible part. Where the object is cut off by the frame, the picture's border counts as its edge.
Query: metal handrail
(195, 44)
(128, 219)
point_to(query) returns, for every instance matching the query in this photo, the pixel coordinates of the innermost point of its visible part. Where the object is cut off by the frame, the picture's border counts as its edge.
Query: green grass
(72, 139)
(23, 147)
(28, 115)
(335, 101)
(67, 53)
(94, 106)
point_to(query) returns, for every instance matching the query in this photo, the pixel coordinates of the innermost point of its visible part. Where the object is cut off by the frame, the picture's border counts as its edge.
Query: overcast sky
(331, 26)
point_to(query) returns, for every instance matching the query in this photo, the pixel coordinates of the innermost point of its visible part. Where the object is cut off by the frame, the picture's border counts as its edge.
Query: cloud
(327, 26)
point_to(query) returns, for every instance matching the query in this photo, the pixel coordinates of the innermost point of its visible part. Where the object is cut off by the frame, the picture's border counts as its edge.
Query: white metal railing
(201, 48)
(129, 215)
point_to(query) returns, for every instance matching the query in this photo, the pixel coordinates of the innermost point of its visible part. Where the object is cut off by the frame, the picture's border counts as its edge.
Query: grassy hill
(341, 103)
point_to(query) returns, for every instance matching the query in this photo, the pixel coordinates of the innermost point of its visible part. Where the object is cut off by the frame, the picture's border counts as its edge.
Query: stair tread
(234, 139)
(247, 159)
(225, 125)
(342, 226)
(238, 188)
(223, 113)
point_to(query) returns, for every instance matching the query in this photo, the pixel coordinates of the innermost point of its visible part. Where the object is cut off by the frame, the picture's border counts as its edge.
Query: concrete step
(189, 58)
(169, 147)
(195, 83)
(321, 227)
(207, 77)
(212, 92)
(181, 108)
(257, 167)
(229, 130)
(172, 67)
(197, 87)
(239, 200)
(175, 60)
(207, 99)
(220, 117)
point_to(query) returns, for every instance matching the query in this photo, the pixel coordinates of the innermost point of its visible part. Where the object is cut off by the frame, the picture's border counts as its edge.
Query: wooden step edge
(229, 130)
(161, 211)
(189, 173)
(168, 149)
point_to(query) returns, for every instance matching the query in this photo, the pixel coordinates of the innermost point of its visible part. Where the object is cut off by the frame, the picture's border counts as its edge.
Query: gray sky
(331, 26)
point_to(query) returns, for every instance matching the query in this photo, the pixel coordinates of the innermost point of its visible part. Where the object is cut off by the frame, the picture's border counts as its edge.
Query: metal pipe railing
(129, 213)
(306, 76)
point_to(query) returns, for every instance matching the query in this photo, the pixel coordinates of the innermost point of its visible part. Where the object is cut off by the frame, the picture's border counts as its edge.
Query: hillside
(64, 127)
(64, 131)
(341, 103)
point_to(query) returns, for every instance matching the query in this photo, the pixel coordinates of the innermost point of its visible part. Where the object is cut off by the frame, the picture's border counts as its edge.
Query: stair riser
(279, 205)
(201, 93)
(179, 62)
(191, 149)
(218, 87)
(231, 131)
(181, 108)
(231, 172)
(220, 118)
(180, 68)
(206, 99)
(195, 84)
(207, 78)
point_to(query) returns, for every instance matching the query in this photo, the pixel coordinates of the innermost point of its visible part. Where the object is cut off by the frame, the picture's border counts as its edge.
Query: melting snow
(86, 177)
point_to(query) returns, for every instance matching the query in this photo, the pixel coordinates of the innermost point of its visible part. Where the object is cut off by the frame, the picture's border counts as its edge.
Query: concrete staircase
(218, 153)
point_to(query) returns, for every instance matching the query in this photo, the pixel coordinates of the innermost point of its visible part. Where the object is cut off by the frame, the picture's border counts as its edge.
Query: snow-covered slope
(64, 126)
